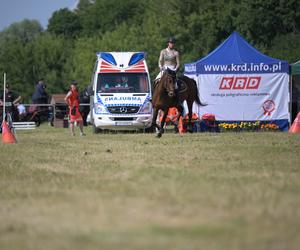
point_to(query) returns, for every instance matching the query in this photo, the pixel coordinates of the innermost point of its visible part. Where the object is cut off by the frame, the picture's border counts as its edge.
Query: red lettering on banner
(226, 83)
(253, 82)
(239, 83)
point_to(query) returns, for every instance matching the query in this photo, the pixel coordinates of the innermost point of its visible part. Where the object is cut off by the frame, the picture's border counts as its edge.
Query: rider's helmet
(171, 40)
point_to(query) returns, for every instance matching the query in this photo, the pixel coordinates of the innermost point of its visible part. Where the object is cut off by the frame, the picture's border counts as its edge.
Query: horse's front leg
(154, 118)
(162, 124)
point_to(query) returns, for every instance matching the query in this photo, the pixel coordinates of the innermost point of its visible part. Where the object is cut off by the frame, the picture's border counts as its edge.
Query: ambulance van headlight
(99, 108)
(146, 108)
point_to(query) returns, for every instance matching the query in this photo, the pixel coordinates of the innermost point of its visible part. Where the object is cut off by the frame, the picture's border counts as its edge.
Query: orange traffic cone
(295, 128)
(7, 135)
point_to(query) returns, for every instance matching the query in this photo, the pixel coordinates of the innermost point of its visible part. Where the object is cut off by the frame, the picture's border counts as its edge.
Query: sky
(12, 11)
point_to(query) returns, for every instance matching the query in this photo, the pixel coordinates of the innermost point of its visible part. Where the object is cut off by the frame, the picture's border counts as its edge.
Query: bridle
(168, 81)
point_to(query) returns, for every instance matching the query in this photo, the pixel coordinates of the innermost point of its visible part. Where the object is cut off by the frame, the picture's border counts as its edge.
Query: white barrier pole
(4, 84)
(291, 100)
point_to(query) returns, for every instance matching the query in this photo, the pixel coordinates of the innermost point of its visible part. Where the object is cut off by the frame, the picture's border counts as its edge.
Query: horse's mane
(168, 72)
(171, 72)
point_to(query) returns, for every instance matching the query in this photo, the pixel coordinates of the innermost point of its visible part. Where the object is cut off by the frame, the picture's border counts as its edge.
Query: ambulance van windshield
(122, 83)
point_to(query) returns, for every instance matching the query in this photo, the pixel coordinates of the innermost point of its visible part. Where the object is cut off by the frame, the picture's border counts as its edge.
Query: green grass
(134, 191)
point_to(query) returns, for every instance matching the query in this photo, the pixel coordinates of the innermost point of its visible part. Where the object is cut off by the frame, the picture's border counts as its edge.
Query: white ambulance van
(121, 92)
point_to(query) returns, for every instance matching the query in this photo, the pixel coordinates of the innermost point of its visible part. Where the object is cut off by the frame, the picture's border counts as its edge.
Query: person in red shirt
(73, 101)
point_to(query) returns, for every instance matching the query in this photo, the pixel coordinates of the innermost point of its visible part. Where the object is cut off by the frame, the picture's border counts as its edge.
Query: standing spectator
(11, 99)
(40, 95)
(72, 100)
(84, 98)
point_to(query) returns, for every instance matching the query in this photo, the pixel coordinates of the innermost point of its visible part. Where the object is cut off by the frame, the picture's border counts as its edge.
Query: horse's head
(168, 78)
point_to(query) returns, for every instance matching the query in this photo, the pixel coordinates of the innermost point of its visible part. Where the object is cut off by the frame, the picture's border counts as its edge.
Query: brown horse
(165, 97)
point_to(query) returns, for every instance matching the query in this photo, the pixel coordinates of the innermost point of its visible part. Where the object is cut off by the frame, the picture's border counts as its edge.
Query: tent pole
(4, 84)
(291, 99)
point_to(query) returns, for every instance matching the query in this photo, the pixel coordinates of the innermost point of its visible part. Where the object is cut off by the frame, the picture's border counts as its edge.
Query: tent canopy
(236, 51)
(295, 67)
(239, 83)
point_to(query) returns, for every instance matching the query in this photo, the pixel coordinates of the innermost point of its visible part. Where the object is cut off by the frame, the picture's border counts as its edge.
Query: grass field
(134, 191)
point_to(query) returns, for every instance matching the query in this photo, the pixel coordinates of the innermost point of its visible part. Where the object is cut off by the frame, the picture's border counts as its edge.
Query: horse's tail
(197, 94)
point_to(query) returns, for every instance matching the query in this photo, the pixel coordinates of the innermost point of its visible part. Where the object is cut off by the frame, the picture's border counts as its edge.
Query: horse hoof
(176, 130)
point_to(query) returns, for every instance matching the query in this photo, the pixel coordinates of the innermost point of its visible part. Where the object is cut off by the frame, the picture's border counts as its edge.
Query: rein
(166, 84)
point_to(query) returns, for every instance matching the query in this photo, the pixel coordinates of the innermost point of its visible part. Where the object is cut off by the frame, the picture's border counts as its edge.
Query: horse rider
(40, 95)
(169, 58)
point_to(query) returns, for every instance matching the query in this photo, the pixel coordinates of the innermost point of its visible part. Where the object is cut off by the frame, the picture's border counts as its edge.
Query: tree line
(66, 49)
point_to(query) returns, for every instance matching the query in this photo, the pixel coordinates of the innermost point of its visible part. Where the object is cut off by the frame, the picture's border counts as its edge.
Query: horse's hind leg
(180, 112)
(190, 126)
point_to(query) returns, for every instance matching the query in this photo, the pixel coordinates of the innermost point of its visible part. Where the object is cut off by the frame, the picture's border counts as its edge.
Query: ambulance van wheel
(96, 130)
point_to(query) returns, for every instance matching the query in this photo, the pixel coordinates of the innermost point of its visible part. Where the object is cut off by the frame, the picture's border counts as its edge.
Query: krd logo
(240, 83)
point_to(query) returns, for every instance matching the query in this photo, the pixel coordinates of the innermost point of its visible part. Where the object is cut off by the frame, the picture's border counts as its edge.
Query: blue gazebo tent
(239, 83)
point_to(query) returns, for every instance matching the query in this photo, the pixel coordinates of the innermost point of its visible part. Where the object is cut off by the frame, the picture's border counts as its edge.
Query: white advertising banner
(244, 97)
